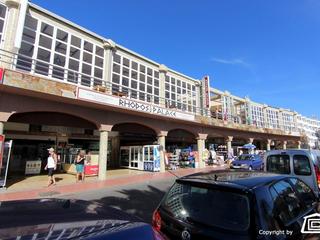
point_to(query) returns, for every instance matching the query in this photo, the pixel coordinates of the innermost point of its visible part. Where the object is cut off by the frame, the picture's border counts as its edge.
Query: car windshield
(195, 205)
(245, 157)
(279, 163)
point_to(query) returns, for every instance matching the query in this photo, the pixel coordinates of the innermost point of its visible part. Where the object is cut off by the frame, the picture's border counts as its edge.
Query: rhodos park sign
(123, 102)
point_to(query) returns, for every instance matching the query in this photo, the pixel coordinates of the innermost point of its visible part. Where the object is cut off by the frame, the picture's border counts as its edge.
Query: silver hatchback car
(302, 163)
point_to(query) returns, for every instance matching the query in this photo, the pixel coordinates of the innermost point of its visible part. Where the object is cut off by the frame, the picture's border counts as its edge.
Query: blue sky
(267, 50)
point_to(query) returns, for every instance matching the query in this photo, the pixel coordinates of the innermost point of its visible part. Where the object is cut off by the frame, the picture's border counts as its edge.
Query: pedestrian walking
(80, 165)
(51, 166)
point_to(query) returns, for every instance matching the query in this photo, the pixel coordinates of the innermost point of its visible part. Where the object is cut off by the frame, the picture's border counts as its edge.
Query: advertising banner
(33, 167)
(6, 153)
(206, 91)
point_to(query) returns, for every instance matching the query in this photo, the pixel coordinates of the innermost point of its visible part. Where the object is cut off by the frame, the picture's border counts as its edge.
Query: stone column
(299, 145)
(162, 142)
(103, 151)
(229, 144)
(162, 78)
(269, 144)
(284, 146)
(201, 145)
(1, 128)
(109, 47)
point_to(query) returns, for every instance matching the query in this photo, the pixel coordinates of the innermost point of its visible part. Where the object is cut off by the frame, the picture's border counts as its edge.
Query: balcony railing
(55, 72)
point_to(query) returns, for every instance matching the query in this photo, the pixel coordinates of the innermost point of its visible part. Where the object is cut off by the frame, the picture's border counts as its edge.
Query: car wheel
(250, 168)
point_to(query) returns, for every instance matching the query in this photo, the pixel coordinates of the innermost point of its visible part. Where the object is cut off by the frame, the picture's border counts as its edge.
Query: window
(305, 193)
(194, 204)
(278, 164)
(301, 165)
(287, 205)
(68, 54)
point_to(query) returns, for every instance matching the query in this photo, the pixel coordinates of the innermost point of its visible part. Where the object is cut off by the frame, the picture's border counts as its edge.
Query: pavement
(35, 187)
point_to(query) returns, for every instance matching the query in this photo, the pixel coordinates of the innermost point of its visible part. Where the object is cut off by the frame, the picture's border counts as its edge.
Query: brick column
(229, 144)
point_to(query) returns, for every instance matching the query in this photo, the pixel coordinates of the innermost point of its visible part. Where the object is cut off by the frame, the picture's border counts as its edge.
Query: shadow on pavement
(140, 203)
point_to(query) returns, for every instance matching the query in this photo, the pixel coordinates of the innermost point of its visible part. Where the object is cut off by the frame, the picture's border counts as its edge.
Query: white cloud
(234, 61)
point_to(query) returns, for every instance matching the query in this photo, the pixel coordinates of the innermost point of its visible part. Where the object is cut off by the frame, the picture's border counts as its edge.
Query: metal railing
(32, 66)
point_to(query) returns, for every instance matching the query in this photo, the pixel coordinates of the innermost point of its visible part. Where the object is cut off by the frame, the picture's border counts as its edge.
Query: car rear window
(210, 207)
(279, 163)
(301, 165)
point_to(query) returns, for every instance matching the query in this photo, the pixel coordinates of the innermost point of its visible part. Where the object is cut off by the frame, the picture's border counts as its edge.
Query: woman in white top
(51, 166)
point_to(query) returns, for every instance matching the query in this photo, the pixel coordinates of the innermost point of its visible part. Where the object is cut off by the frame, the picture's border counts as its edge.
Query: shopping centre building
(66, 87)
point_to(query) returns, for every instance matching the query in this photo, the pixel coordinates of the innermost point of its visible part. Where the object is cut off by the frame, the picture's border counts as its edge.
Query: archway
(34, 132)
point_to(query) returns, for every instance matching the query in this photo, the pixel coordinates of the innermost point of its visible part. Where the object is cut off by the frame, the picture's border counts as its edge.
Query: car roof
(236, 179)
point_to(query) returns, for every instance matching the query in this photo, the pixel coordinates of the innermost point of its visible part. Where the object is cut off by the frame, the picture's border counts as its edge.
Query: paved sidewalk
(55, 191)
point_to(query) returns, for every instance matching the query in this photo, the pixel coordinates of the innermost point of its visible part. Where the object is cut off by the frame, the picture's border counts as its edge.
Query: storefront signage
(1, 75)
(206, 91)
(33, 167)
(131, 104)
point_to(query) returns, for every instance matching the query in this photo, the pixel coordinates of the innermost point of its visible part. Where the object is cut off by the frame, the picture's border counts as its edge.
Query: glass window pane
(125, 71)
(45, 41)
(115, 78)
(62, 35)
(173, 81)
(116, 68)
(73, 64)
(2, 11)
(149, 89)
(75, 41)
(31, 22)
(156, 91)
(149, 80)
(117, 58)
(142, 87)
(99, 51)
(156, 82)
(46, 29)
(142, 69)
(134, 65)
(42, 68)
(74, 53)
(58, 72)
(99, 62)
(134, 75)
(59, 60)
(98, 72)
(61, 47)
(156, 74)
(86, 69)
(278, 164)
(88, 46)
(87, 57)
(29, 36)
(26, 49)
(126, 62)
(142, 77)
(73, 76)
(24, 63)
(134, 84)
(301, 165)
(149, 71)
(43, 55)
(125, 82)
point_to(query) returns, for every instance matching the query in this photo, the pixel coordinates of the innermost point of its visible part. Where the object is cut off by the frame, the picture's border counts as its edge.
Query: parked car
(301, 163)
(238, 205)
(75, 219)
(248, 161)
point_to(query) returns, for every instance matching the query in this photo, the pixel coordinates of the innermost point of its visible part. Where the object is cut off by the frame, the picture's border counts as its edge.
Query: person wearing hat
(51, 166)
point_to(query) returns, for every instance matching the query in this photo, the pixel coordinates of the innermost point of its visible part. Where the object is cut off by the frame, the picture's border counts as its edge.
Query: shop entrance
(181, 149)
(138, 147)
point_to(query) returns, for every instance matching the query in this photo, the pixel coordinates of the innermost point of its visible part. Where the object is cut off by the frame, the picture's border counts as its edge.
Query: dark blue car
(248, 161)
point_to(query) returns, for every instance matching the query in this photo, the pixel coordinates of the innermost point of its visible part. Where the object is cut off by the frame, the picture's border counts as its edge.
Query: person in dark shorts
(51, 166)
(80, 165)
